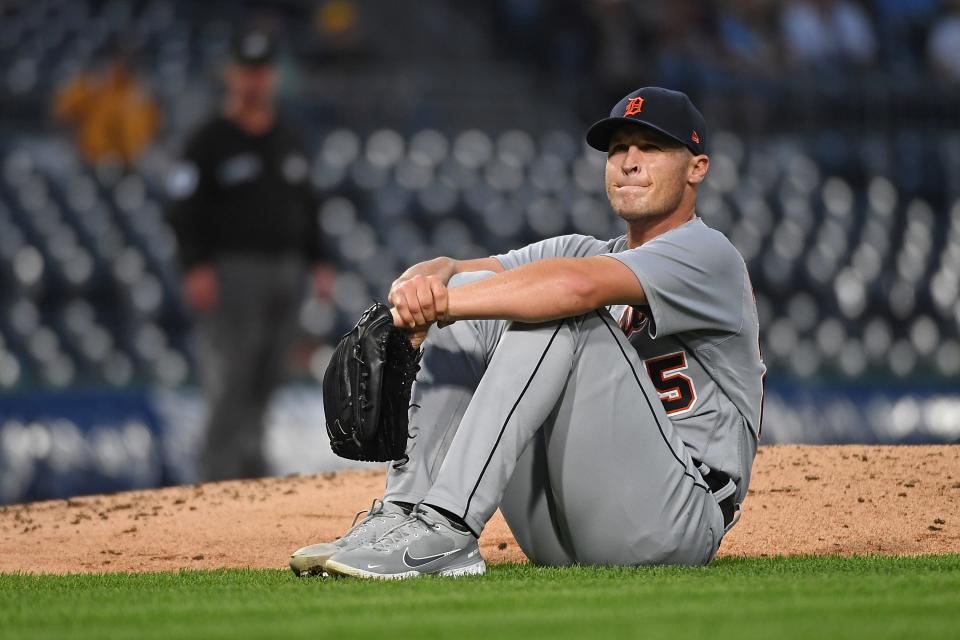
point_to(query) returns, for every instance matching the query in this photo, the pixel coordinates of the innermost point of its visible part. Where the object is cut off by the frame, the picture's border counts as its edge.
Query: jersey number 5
(676, 389)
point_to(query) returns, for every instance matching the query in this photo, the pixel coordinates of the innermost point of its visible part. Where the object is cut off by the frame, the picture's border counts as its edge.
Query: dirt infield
(803, 500)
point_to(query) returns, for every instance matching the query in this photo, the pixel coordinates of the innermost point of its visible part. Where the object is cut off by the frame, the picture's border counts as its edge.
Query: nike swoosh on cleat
(413, 562)
(373, 566)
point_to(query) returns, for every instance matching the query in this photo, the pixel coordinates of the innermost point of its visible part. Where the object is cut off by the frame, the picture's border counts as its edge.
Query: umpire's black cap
(254, 48)
(669, 112)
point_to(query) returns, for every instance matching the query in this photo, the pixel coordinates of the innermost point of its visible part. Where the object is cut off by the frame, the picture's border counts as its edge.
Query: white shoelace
(375, 511)
(416, 525)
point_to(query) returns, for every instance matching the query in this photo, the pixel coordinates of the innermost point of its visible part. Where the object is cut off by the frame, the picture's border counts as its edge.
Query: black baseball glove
(366, 389)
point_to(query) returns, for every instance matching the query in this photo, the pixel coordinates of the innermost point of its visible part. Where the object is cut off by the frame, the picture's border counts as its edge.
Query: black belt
(721, 484)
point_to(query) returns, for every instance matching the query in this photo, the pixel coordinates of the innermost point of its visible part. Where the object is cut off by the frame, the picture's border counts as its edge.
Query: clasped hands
(417, 302)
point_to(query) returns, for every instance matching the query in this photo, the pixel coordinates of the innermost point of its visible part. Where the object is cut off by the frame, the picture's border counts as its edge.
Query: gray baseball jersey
(698, 335)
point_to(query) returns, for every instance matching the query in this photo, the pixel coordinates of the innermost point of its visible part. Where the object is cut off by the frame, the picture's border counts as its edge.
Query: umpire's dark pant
(244, 344)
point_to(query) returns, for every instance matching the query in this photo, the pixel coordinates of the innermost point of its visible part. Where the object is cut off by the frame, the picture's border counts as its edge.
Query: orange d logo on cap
(634, 106)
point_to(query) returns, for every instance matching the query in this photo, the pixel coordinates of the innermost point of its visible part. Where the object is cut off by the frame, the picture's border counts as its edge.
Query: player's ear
(697, 168)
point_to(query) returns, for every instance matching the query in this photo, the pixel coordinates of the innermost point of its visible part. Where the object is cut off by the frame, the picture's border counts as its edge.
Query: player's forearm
(547, 290)
(537, 292)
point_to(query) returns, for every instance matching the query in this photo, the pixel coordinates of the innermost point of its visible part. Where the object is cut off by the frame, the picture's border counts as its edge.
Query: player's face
(646, 173)
(252, 84)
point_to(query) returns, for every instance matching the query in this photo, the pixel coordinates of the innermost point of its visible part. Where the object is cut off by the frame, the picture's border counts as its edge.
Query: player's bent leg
(524, 380)
(626, 488)
(530, 510)
(454, 360)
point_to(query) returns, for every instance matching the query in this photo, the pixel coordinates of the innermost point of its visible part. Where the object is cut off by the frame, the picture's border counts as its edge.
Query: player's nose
(632, 161)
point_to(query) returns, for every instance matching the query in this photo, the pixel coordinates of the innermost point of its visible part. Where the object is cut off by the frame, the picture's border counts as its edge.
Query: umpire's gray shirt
(698, 335)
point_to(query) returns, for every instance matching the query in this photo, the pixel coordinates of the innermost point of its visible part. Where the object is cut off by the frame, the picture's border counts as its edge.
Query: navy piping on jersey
(652, 411)
(503, 428)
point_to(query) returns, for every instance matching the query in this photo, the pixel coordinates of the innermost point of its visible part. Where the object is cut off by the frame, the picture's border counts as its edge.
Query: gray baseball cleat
(382, 516)
(424, 543)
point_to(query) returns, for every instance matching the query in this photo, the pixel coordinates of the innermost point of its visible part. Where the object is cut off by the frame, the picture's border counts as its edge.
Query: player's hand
(419, 302)
(417, 336)
(200, 288)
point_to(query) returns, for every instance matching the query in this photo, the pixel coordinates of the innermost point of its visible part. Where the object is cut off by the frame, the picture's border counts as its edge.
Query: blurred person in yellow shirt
(112, 112)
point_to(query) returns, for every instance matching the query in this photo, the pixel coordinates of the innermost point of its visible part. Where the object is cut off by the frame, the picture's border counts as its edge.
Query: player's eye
(617, 148)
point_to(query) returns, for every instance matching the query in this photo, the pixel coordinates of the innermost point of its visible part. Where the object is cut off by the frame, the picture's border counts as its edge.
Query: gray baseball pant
(244, 344)
(558, 425)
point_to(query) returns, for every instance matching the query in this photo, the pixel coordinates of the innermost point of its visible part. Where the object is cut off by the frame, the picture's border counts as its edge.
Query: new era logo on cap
(669, 112)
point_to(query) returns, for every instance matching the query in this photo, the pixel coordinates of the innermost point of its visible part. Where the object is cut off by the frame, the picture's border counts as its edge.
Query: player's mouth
(632, 188)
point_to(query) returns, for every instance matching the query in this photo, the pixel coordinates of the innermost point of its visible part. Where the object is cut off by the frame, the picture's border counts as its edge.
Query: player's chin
(632, 205)
(632, 213)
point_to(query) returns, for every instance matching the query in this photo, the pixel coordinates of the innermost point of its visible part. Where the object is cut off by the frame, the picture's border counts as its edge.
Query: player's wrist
(446, 268)
(454, 309)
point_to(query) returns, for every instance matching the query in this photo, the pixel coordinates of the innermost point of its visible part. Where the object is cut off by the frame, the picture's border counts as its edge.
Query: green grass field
(812, 597)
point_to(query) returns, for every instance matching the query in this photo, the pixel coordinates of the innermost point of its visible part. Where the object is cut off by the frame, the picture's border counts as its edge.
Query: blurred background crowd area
(754, 64)
(442, 127)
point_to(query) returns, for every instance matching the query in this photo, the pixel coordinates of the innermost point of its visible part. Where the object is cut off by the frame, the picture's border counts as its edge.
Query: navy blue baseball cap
(669, 112)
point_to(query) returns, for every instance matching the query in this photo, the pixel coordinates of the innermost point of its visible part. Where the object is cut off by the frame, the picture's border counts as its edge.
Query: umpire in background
(245, 218)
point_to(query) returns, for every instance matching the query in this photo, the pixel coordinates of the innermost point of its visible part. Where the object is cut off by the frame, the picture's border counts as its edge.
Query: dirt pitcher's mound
(819, 500)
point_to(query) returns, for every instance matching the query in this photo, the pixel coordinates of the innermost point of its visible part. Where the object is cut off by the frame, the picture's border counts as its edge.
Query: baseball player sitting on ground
(604, 394)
